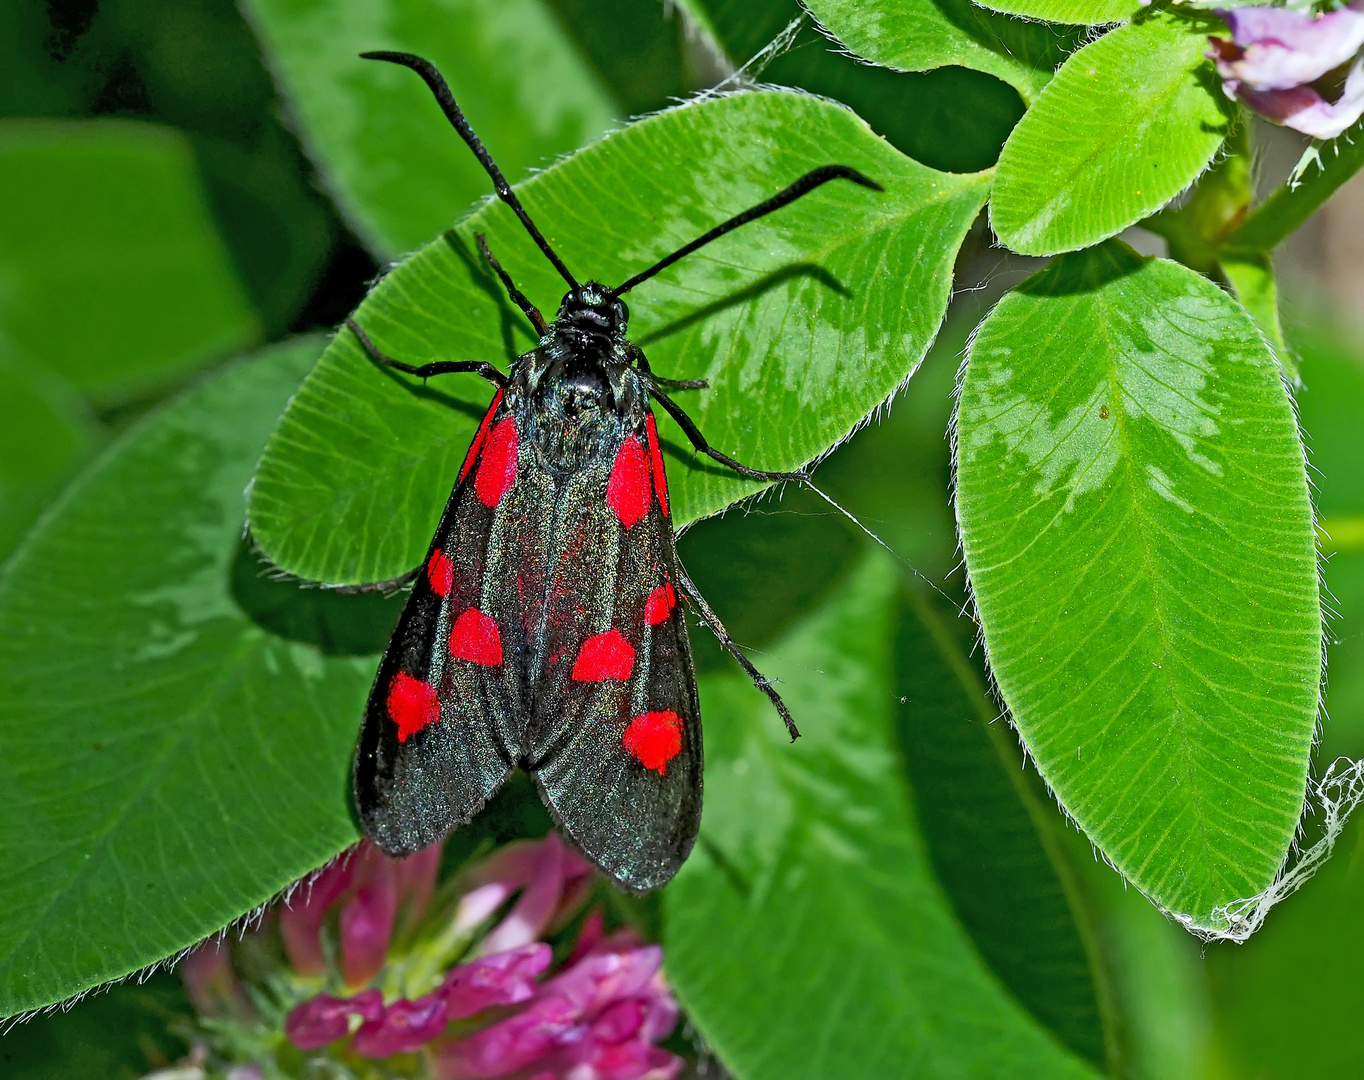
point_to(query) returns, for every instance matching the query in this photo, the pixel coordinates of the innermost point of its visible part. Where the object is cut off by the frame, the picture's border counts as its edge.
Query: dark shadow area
(1084, 271)
(747, 293)
(343, 284)
(763, 568)
(196, 66)
(513, 813)
(963, 766)
(120, 1033)
(952, 119)
(339, 624)
(636, 50)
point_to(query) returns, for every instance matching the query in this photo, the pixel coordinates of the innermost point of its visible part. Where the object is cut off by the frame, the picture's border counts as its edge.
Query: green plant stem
(1292, 204)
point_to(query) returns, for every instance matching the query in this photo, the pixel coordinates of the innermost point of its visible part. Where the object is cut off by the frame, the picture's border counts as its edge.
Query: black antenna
(446, 100)
(803, 186)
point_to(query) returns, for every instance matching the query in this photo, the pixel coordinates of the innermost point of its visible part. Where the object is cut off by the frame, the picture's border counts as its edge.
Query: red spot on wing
(627, 492)
(441, 573)
(497, 470)
(604, 656)
(660, 480)
(475, 638)
(654, 739)
(412, 704)
(660, 604)
(477, 444)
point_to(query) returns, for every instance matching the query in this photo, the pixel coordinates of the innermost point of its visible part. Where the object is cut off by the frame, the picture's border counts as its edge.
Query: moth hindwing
(545, 629)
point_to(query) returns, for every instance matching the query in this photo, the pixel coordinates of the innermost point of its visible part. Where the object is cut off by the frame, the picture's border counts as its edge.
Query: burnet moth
(545, 629)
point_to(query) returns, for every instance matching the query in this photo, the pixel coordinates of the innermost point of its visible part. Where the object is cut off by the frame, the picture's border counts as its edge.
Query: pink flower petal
(1277, 49)
(536, 905)
(505, 1047)
(577, 890)
(619, 1021)
(405, 1026)
(589, 1059)
(601, 978)
(505, 978)
(416, 883)
(492, 882)
(661, 1011)
(632, 1061)
(1305, 110)
(211, 981)
(588, 937)
(367, 918)
(302, 917)
(324, 1019)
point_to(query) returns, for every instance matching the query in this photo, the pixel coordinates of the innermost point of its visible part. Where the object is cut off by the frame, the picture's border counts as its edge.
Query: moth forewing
(545, 628)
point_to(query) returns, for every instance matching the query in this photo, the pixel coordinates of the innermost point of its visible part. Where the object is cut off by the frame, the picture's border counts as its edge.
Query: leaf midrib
(1143, 528)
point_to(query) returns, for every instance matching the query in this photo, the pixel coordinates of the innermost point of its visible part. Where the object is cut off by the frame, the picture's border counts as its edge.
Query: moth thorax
(577, 415)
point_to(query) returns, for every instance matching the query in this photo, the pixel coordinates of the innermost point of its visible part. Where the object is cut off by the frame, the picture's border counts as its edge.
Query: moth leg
(679, 384)
(517, 296)
(642, 362)
(718, 629)
(426, 371)
(699, 441)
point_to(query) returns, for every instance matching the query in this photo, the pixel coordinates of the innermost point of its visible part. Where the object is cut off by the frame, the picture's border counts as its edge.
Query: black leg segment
(517, 296)
(718, 629)
(699, 441)
(426, 371)
(642, 362)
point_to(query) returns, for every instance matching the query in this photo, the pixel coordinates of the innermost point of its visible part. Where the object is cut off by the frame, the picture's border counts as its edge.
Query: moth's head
(593, 311)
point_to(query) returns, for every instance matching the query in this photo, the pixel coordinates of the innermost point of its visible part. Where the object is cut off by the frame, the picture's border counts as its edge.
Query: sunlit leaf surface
(1137, 530)
(802, 322)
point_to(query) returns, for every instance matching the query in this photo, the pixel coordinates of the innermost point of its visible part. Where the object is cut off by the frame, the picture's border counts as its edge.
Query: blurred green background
(161, 216)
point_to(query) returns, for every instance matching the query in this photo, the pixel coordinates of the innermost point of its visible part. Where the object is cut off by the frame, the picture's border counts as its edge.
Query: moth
(545, 630)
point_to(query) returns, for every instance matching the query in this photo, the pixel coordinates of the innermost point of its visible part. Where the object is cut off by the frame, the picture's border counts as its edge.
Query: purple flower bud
(404, 1027)
(506, 978)
(324, 1019)
(301, 919)
(416, 883)
(493, 881)
(368, 916)
(537, 904)
(1276, 49)
(211, 982)
(1286, 65)
(1304, 109)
